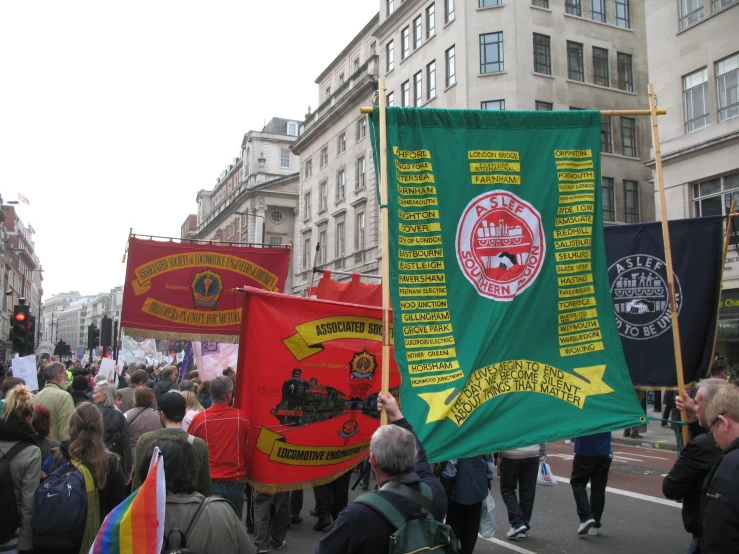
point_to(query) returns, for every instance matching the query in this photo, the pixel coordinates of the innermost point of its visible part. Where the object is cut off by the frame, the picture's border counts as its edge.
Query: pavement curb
(645, 443)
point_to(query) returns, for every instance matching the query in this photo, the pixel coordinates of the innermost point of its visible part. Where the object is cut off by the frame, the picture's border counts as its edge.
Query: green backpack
(418, 532)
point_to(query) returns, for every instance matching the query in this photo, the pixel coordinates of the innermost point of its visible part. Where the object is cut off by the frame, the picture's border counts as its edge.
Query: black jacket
(116, 436)
(360, 529)
(79, 397)
(685, 479)
(163, 387)
(720, 505)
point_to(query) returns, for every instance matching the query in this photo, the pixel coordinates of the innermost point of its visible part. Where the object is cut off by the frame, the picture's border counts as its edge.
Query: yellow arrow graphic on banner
(515, 376)
(280, 451)
(310, 336)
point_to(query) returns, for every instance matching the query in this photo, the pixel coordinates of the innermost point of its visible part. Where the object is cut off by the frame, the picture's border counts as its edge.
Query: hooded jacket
(25, 472)
(60, 404)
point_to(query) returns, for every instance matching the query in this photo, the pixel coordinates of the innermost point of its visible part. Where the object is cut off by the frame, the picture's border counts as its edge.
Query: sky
(114, 114)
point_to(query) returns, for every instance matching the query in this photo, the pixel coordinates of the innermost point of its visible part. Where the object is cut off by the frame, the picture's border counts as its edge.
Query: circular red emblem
(500, 244)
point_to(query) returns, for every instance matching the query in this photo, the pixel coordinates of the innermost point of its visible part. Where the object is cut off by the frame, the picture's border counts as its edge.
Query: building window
(306, 254)
(405, 43)
(609, 210)
(600, 67)
(306, 206)
(359, 242)
(542, 54)
(573, 7)
(417, 32)
(276, 216)
(361, 128)
(323, 189)
(431, 80)
(491, 53)
(716, 5)
(405, 94)
(544, 106)
(488, 3)
(309, 169)
(390, 7)
(284, 158)
(373, 49)
(631, 202)
(390, 99)
(339, 239)
(430, 21)
(341, 144)
(324, 157)
(714, 196)
(695, 97)
(390, 56)
(622, 14)
(418, 89)
(292, 129)
(625, 72)
(727, 86)
(628, 137)
(448, 11)
(356, 63)
(493, 105)
(341, 79)
(451, 75)
(691, 11)
(575, 67)
(359, 181)
(540, 3)
(598, 10)
(340, 184)
(606, 140)
(322, 244)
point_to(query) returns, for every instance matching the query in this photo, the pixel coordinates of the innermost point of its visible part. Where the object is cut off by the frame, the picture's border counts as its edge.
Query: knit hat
(173, 405)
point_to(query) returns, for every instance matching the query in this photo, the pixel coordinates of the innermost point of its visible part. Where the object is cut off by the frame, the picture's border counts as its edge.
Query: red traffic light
(20, 317)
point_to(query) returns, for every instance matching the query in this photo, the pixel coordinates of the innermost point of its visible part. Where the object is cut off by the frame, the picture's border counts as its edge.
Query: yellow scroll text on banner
(588, 302)
(310, 336)
(422, 291)
(185, 316)
(572, 198)
(489, 167)
(573, 268)
(578, 326)
(441, 379)
(578, 315)
(418, 216)
(442, 329)
(421, 166)
(574, 220)
(409, 305)
(573, 153)
(421, 278)
(414, 178)
(573, 243)
(428, 342)
(280, 451)
(425, 253)
(575, 165)
(570, 280)
(419, 241)
(425, 317)
(572, 232)
(571, 255)
(417, 202)
(421, 265)
(515, 376)
(576, 175)
(576, 291)
(148, 271)
(575, 209)
(492, 155)
(420, 228)
(432, 367)
(412, 154)
(576, 187)
(417, 191)
(580, 349)
(498, 179)
(440, 353)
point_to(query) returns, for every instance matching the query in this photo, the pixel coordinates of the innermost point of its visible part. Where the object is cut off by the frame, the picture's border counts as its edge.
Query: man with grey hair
(57, 400)
(696, 459)
(399, 462)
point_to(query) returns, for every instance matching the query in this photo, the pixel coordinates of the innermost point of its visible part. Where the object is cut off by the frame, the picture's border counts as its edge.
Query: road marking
(508, 545)
(640, 455)
(630, 494)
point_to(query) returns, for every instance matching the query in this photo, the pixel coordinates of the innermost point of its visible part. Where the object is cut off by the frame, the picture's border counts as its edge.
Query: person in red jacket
(226, 433)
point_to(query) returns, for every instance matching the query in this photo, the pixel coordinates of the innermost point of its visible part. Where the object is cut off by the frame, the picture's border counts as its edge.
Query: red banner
(354, 291)
(185, 291)
(309, 373)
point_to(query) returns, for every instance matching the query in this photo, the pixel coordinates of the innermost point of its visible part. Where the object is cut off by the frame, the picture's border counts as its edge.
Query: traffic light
(19, 329)
(106, 332)
(89, 337)
(30, 338)
(95, 337)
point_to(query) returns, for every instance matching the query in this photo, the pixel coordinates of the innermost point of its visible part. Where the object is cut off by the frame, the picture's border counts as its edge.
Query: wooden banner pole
(668, 259)
(729, 225)
(385, 249)
(130, 234)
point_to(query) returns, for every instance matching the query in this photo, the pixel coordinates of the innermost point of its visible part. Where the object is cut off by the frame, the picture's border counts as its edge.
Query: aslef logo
(640, 296)
(500, 244)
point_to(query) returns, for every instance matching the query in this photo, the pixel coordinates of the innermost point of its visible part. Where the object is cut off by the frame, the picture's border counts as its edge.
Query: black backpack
(8, 506)
(60, 509)
(175, 542)
(416, 532)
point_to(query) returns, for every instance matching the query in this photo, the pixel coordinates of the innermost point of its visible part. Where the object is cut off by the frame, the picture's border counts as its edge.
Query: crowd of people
(93, 439)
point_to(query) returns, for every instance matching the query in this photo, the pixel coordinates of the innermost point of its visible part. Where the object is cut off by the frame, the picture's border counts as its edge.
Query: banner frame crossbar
(214, 242)
(345, 273)
(607, 113)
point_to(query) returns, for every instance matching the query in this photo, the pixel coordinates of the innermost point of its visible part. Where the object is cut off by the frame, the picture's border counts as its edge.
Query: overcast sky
(114, 115)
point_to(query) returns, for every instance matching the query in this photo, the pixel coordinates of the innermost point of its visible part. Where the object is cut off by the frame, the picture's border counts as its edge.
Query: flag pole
(729, 224)
(668, 259)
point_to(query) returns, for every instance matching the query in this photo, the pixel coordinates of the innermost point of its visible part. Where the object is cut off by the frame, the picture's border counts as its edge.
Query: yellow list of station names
(416, 167)
(495, 167)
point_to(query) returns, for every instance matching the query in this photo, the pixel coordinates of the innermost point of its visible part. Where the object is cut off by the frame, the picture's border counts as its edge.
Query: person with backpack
(85, 482)
(20, 470)
(142, 418)
(115, 425)
(193, 522)
(409, 506)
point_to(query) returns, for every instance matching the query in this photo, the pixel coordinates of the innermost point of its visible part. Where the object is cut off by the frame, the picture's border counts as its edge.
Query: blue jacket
(469, 478)
(598, 444)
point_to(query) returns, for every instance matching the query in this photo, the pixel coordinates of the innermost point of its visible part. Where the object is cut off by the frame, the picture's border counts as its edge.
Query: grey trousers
(269, 527)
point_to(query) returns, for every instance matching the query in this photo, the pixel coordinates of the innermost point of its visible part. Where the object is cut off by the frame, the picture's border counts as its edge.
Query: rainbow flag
(136, 525)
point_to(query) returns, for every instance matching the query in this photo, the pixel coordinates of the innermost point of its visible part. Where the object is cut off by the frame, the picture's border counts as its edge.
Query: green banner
(504, 327)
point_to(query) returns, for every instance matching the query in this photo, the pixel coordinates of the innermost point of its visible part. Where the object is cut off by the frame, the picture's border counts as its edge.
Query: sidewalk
(655, 436)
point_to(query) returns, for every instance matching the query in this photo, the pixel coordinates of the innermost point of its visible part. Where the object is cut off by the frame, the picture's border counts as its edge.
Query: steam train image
(305, 402)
